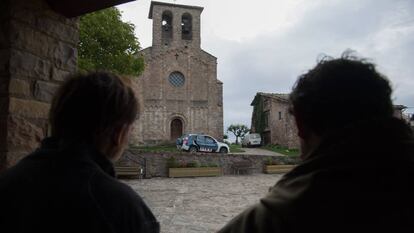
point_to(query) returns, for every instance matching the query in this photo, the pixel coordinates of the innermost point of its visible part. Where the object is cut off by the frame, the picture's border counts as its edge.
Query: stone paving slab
(203, 204)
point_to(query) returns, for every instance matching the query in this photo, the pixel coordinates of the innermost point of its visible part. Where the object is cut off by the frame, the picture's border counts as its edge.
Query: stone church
(179, 91)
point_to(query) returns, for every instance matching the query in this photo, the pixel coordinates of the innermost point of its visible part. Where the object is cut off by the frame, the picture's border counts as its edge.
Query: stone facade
(37, 51)
(276, 126)
(178, 91)
(279, 127)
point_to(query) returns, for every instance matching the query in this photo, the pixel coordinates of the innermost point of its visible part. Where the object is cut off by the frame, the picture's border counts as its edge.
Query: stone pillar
(38, 49)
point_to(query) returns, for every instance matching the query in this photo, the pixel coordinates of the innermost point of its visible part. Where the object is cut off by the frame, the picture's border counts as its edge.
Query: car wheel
(193, 149)
(223, 150)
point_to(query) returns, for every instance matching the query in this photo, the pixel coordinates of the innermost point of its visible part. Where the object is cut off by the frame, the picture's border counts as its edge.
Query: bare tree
(238, 130)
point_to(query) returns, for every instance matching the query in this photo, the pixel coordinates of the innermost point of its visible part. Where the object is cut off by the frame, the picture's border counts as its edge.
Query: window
(280, 115)
(209, 140)
(186, 27)
(166, 25)
(176, 79)
(266, 103)
(266, 118)
(200, 139)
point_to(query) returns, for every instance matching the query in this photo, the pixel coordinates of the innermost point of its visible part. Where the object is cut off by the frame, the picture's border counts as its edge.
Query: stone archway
(176, 129)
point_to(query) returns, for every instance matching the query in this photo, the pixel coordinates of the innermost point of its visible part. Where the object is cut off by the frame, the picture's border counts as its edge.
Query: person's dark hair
(91, 107)
(340, 92)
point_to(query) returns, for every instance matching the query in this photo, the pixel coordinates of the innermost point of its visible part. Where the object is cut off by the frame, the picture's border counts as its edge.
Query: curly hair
(90, 107)
(339, 92)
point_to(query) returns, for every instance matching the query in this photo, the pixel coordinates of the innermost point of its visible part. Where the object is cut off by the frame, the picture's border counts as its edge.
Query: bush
(193, 164)
(291, 160)
(270, 161)
(172, 163)
(285, 160)
(213, 165)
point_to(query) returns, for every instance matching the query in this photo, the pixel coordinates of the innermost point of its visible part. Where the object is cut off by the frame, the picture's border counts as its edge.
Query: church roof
(277, 96)
(172, 5)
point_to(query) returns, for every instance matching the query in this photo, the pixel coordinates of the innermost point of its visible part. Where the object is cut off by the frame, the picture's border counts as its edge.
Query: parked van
(252, 139)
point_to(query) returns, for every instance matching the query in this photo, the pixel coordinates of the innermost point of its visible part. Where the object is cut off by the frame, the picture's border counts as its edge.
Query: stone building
(179, 91)
(38, 50)
(271, 118)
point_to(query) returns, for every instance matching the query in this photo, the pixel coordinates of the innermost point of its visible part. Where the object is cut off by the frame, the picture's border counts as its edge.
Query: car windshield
(255, 136)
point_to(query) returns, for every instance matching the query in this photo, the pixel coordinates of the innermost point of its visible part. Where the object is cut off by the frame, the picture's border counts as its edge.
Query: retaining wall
(155, 164)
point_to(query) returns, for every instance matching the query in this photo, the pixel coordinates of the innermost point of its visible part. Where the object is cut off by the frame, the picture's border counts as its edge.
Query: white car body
(206, 147)
(221, 144)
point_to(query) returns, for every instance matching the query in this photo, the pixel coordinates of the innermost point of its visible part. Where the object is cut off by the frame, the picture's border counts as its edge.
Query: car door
(211, 144)
(200, 141)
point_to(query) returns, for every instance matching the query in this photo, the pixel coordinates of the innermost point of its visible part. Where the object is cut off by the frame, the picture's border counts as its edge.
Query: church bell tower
(175, 25)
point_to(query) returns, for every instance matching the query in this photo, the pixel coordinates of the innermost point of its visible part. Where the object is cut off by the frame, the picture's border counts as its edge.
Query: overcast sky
(263, 45)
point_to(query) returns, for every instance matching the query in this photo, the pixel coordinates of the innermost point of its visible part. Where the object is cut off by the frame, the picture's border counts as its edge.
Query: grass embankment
(282, 150)
(172, 148)
(235, 148)
(158, 148)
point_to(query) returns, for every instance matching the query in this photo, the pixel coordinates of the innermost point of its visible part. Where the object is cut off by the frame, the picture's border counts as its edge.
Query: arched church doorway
(176, 129)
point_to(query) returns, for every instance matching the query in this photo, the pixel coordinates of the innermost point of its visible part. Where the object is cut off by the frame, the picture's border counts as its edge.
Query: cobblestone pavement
(204, 204)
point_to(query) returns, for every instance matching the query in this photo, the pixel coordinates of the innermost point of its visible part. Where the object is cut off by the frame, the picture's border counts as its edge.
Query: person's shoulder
(117, 200)
(273, 212)
(102, 183)
(12, 174)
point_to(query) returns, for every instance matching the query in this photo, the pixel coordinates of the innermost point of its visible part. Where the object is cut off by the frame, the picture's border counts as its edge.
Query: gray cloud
(258, 51)
(380, 30)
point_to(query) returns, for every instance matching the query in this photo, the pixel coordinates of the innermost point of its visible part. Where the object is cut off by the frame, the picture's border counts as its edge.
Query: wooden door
(176, 129)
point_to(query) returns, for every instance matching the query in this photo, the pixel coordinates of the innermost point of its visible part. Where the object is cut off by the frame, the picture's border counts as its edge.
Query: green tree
(107, 43)
(238, 130)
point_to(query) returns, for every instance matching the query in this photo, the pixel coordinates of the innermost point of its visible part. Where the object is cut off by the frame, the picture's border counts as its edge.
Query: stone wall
(37, 51)
(282, 125)
(177, 11)
(156, 163)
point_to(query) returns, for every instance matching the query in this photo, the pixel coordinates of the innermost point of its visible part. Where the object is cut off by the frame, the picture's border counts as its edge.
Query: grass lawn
(158, 148)
(172, 148)
(282, 150)
(235, 148)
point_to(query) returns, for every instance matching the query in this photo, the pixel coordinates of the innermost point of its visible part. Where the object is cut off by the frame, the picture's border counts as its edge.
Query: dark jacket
(360, 179)
(69, 190)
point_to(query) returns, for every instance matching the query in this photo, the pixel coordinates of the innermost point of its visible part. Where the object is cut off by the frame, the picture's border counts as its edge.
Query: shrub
(193, 164)
(213, 165)
(270, 161)
(182, 164)
(290, 160)
(172, 162)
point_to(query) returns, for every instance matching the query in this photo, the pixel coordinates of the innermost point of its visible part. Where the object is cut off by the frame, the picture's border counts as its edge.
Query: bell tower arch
(175, 25)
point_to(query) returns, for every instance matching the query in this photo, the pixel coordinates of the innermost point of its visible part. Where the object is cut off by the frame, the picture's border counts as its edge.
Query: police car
(202, 143)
